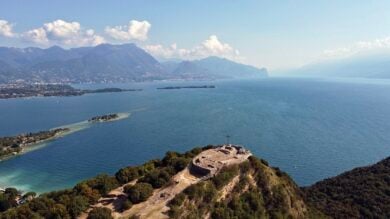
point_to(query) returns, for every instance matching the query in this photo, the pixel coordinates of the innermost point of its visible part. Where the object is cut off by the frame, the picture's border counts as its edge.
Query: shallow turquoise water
(310, 128)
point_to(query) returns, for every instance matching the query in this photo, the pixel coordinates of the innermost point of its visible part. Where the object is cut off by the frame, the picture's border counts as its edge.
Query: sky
(273, 34)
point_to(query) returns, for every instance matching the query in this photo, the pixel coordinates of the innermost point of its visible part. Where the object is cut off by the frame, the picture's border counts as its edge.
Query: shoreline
(68, 129)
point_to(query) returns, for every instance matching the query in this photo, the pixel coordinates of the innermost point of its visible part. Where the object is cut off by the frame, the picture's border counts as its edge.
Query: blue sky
(273, 34)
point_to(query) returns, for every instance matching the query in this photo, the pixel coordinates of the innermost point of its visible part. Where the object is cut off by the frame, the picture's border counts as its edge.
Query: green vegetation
(253, 196)
(7, 199)
(158, 177)
(100, 213)
(104, 118)
(65, 203)
(251, 189)
(153, 174)
(70, 203)
(139, 192)
(13, 145)
(359, 193)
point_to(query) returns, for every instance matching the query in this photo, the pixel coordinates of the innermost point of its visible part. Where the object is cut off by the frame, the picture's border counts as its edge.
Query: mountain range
(110, 63)
(362, 66)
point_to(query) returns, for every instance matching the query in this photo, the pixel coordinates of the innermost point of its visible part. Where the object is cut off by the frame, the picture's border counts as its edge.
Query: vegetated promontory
(363, 192)
(210, 182)
(19, 90)
(10, 146)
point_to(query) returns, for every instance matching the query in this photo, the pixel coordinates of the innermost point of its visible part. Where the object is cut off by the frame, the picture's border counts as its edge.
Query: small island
(11, 146)
(185, 87)
(110, 90)
(104, 118)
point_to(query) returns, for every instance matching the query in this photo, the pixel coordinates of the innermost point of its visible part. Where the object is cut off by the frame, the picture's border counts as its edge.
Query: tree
(11, 192)
(127, 174)
(139, 192)
(59, 211)
(29, 195)
(78, 204)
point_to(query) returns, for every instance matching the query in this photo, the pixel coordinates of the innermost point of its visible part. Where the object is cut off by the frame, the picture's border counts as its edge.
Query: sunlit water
(310, 128)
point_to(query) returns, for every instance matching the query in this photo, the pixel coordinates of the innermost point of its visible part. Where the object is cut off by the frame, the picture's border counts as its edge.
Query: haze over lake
(310, 128)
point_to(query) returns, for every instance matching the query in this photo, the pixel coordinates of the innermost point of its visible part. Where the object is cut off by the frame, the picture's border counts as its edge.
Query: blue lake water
(310, 128)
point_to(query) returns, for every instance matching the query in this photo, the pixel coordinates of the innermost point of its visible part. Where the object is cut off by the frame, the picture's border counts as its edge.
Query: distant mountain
(214, 67)
(102, 63)
(225, 68)
(109, 63)
(368, 66)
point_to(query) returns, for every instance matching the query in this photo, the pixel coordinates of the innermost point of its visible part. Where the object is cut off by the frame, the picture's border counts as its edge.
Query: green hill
(178, 186)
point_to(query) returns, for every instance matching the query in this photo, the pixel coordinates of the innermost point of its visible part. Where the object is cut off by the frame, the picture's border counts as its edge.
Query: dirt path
(155, 206)
(113, 201)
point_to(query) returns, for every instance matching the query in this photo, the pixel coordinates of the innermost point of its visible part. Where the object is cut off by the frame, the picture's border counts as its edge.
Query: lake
(310, 128)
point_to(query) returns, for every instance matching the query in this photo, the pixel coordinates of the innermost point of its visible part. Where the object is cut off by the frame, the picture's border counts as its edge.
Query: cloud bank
(135, 30)
(209, 47)
(73, 34)
(361, 46)
(63, 33)
(6, 29)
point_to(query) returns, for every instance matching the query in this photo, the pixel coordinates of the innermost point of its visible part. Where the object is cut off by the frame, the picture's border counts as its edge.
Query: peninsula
(10, 146)
(16, 145)
(46, 90)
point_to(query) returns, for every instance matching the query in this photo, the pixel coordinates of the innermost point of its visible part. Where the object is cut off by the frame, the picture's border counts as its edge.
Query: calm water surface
(310, 128)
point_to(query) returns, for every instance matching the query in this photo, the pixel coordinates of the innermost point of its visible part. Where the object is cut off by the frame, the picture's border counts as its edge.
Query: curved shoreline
(68, 129)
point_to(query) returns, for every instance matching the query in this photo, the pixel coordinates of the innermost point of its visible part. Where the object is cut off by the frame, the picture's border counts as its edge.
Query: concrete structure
(208, 163)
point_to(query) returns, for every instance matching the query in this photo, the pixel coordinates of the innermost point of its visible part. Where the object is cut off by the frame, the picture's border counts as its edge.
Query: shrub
(100, 213)
(126, 205)
(158, 177)
(224, 177)
(139, 192)
(127, 174)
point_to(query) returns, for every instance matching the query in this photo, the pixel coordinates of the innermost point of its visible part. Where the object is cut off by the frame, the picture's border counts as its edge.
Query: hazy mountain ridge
(364, 66)
(109, 63)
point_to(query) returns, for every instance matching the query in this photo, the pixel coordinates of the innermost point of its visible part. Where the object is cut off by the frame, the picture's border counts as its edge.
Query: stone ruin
(209, 162)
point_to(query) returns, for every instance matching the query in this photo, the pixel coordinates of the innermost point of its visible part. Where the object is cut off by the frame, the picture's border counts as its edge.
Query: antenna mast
(227, 139)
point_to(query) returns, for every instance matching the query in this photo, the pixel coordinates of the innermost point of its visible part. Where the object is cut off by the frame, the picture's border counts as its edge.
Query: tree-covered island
(104, 118)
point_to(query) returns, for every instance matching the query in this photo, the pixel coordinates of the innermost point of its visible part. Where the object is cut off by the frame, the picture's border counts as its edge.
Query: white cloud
(361, 46)
(213, 46)
(135, 30)
(63, 33)
(37, 36)
(6, 29)
(209, 47)
(60, 29)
